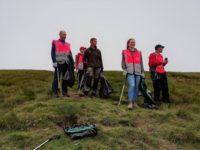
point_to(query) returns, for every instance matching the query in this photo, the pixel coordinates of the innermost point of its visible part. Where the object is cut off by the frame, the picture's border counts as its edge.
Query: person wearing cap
(133, 68)
(79, 64)
(158, 74)
(94, 66)
(62, 61)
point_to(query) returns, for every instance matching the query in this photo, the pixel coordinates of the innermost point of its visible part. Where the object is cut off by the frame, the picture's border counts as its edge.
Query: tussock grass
(29, 115)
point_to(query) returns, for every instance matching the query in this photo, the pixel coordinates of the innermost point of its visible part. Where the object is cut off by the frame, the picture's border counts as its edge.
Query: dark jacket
(92, 58)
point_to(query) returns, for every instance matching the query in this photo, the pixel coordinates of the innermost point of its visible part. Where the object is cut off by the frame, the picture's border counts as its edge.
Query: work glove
(143, 75)
(55, 65)
(124, 73)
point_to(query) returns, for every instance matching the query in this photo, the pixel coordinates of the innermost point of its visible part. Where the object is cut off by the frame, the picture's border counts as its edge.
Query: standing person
(158, 74)
(132, 65)
(79, 64)
(94, 66)
(62, 60)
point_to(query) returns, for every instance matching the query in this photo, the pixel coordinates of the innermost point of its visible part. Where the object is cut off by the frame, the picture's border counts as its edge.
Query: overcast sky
(27, 28)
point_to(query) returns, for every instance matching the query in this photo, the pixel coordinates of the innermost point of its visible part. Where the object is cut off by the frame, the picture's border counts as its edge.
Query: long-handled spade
(120, 99)
(58, 77)
(50, 139)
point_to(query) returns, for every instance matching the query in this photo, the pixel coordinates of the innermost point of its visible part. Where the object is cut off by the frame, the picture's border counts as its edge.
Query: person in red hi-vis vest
(132, 65)
(158, 74)
(79, 64)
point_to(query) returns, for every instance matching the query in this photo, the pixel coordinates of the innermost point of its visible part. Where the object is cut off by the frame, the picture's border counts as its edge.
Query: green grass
(29, 115)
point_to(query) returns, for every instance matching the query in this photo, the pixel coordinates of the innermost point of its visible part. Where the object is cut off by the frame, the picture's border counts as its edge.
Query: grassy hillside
(29, 115)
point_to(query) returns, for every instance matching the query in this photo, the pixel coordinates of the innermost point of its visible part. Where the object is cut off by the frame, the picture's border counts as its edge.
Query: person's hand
(165, 62)
(55, 65)
(124, 73)
(101, 69)
(143, 75)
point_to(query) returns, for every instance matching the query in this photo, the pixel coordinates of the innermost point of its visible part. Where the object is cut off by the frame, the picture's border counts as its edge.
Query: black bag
(83, 84)
(69, 76)
(78, 131)
(105, 88)
(154, 74)
(148, 100)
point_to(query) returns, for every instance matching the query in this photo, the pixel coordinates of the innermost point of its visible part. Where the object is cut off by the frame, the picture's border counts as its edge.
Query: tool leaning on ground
(50, 139)
(58, 78)
(122, 92)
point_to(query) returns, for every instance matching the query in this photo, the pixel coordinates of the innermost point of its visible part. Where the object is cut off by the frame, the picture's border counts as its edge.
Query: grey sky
(27, 28)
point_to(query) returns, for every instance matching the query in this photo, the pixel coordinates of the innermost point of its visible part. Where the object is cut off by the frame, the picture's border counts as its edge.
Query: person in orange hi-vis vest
(132, 65)
(61, 57)
(158, 74)
(79, 64)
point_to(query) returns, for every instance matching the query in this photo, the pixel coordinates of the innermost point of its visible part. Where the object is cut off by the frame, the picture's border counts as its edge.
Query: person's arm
(53, 53)
(85, 59)
(101, 61)
(142, 65)
(123, 63)
(70, 54)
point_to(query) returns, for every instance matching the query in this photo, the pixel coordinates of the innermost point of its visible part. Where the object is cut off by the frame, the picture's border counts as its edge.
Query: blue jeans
(133, 86)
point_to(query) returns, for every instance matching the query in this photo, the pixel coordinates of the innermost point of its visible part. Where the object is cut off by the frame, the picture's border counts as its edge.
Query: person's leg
(136, 90)
(55, 81)
(157, 87)
(165, 89)
(97, 72)
(131, 87)
(64, 82)
(89, 76)
(80, 75)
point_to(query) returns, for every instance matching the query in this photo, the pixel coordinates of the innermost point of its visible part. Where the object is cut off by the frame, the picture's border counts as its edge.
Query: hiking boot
(94, 94)
(86, 93)
(166, 101)
(80, 93)
(135, 105)
(130, 106)
(65, 94)
(55, 95)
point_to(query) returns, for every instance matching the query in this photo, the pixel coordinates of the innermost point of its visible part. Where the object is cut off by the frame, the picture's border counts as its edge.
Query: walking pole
(58, 79)
(80, 85)
(122, 91)
(50, 139)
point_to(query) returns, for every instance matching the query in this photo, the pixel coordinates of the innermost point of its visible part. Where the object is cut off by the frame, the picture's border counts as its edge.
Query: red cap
(82, 48)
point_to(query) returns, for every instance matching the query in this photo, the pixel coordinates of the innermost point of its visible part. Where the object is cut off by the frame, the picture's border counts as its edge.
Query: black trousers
(80, 75)
(59, 71)
(161, 84)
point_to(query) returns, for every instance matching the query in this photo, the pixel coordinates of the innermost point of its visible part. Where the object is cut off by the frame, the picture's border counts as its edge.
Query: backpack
(78, 131)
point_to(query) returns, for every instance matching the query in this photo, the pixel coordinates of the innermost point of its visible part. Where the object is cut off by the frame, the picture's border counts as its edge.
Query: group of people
(89, 62)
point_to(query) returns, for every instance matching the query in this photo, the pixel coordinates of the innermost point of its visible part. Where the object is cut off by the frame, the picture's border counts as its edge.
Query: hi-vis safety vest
(132, 61)
(80, 61)
(62, 51)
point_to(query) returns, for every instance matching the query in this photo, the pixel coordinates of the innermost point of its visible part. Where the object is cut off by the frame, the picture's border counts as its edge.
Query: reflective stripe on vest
(62, 51)
(132, 61)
